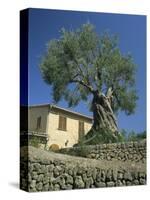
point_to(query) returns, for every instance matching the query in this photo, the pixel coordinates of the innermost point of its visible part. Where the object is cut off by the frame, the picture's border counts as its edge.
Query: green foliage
(34, 141)
(136, 136)
(124, 134)
(102, 136)
(81, 62)
(132, 136)
(81, 151)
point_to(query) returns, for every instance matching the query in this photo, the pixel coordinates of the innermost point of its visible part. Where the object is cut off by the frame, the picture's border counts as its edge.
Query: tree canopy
(81, 62)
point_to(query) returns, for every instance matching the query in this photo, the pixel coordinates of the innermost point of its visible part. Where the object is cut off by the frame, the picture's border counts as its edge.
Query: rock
(108, 157)
(109, 175)
(89, 182)
(34, 175)
(36, 167)
(123, 145)
(92, 186)
(128, 183)
(129, 144)
(135, 175)
(51, 187)
(39, 186)
(59, 168)
(114, 175)
(121, 155)
(123, 182)
(89, 172)
(60, 180)
(46, 187)
(120, 176)
(128, 176)
(94, 174)
(81, 170)
(70, 172)
(75, 170)
(100, 184)
(33, 184)
(142, 181)
(51, 168)
(142, 175)
(97, 156)
(40, 177)
(56, 187)
(46, 162)
(69, 179)
(56, 162)
(56, 172)
(92, 155)
(69, 187)
(136, 182)
(62, 184)
(84, 177)
(46, 179)
(32, 190)
(112, 155)
(119, 183)
(42, 169)
(110, 184)
(78, 182)
(130, 156)
(98, 176)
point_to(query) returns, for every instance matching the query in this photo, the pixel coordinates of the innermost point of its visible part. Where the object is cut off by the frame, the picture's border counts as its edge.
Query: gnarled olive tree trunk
(103, 115)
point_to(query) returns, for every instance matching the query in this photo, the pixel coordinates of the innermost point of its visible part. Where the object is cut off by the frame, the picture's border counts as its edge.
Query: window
(62, 123)
(81, 130)
(38, 126)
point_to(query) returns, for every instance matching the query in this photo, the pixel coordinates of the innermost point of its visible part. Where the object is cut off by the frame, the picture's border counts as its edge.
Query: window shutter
(62, 123)
(81, 129)
(38, 123)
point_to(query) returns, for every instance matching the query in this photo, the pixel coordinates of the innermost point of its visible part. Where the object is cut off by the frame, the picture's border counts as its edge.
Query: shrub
(132, 136)
(34, 141)
(102, 136)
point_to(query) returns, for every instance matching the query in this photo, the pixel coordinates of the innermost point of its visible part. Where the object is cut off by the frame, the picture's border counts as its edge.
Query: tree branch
(81, 82)
(89, 87)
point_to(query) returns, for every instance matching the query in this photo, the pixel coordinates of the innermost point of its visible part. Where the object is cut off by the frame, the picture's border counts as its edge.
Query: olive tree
(81, 64)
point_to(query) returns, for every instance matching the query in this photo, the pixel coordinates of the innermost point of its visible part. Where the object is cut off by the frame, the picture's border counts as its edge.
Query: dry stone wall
(129, 151)
(48, 171)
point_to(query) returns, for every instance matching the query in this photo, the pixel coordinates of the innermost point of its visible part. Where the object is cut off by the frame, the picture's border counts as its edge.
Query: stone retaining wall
(47, 171)
(133, 151)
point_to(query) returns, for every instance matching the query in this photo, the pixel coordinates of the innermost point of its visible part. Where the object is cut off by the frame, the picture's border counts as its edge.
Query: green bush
(132, 136)
(103, 136)
(34, 141)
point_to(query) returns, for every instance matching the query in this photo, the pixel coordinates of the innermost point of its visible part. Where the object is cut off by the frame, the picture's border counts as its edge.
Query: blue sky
(45, 25)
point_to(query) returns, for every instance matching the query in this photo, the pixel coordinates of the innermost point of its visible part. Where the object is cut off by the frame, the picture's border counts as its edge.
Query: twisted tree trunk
(105, 122)
(103, 115)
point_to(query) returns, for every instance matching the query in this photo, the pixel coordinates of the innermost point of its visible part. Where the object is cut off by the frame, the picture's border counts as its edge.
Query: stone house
(60, 127)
